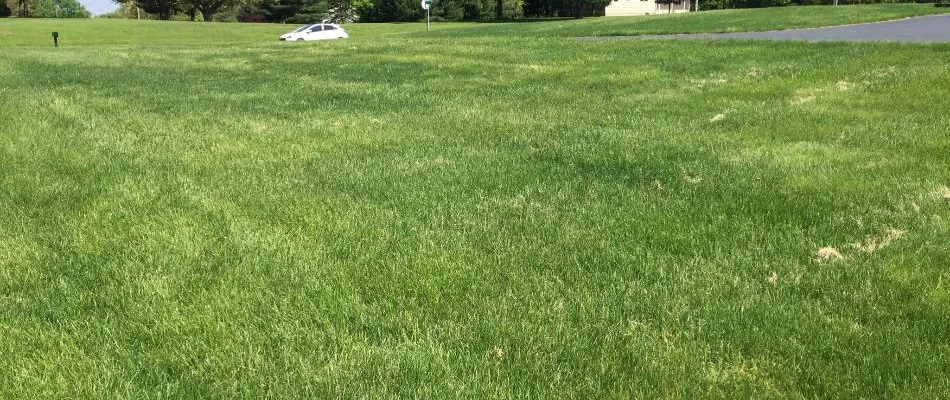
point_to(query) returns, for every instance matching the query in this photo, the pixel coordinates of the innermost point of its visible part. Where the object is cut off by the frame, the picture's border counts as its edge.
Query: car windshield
(302, 28)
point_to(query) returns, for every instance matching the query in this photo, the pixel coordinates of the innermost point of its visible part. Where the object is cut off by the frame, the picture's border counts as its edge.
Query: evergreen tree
(394, 11)
(296, 11)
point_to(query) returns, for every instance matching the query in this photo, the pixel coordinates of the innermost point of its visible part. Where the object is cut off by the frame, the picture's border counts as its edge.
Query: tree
(560, 8)
(163, 9)
(579, 7)
(341, 11)
(5, 9)
(669, 3)
(207, 8)
(60, 9)
(392, 11)
(538, 8)
(296, 11)
(249, 10)
(23, 8)
(447, 10)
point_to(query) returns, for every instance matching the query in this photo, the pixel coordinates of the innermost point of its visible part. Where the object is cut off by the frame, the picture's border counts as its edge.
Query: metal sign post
(426, 4)
(55, 39)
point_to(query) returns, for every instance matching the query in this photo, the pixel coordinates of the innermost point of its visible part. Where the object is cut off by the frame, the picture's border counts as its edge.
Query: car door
(315, 32)
(331, 32)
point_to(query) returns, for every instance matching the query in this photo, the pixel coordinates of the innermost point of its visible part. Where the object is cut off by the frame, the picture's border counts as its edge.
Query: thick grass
(475, 217)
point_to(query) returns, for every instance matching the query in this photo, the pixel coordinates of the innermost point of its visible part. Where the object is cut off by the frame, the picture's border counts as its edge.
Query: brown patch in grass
(945, 193)
(633, 326)
(875, 243)
(773, 279)
(701, 83)
(694, 179)
(808, 95)
(717, 117)
(884, 72)
(827, 254)
(802, 99)
(498, 353)
(440, 160)
(519, 201)
(259, 127)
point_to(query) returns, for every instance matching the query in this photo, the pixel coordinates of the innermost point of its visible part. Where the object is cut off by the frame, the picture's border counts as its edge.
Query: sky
(97, 7)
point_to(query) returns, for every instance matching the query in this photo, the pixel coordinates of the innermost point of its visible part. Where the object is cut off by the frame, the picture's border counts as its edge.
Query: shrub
(251, 18)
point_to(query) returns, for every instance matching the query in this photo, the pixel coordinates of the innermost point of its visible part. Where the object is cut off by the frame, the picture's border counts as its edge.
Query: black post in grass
(55, 39)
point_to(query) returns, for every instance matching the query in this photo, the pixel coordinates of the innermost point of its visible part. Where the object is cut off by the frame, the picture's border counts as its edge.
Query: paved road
(935, 28)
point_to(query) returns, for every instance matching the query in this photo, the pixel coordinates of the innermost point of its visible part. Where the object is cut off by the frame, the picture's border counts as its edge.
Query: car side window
(316, 28)
(329, 27)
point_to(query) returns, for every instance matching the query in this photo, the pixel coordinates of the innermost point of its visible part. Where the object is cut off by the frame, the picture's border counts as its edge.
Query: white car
(316, 32)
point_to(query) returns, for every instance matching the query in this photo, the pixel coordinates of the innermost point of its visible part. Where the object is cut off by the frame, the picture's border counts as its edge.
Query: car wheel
(300, 40)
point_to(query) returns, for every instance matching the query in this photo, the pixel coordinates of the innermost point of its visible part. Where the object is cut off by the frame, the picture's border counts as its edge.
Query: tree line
(43, 9)
(308, 11)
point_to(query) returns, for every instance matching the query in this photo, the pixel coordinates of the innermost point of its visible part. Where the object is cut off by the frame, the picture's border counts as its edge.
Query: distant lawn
(761, 19)
(484, 212)
(15, 32)
(102, 32)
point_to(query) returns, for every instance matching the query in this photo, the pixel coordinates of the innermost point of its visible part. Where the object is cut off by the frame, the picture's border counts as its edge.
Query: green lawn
(16, 32)
(505, 214)
(761, 19)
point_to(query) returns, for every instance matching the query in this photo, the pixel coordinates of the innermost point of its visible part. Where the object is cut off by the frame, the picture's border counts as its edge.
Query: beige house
(618, 8)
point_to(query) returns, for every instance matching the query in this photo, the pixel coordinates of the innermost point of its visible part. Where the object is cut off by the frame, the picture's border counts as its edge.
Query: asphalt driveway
(934, 28)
